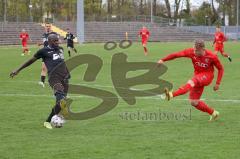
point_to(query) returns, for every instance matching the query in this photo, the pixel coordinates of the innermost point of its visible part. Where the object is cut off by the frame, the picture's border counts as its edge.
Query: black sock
(229, 58)
(54, 111)
(75, 50)
(43, 79)
(69, 53)
(50, 115)
(57, 108)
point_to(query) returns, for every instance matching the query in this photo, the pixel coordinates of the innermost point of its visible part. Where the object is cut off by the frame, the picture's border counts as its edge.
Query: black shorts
(59, 84)
(70, 45)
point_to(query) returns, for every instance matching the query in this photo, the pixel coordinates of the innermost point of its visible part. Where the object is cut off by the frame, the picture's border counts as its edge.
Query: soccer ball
(57, 121)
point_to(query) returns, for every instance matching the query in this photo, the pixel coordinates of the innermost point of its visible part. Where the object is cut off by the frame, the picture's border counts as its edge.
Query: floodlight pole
(5, 11)
(237, 17)
(151, 11)
(80, 21)
(30, 11)
(237, 12)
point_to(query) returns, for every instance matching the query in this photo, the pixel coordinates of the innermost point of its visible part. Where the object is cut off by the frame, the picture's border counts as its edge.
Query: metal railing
(232, 32)
(123, 18)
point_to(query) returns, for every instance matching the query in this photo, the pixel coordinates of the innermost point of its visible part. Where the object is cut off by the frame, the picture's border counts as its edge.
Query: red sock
(224, 54)
(204, 107)
(182, 90)
(145, 49)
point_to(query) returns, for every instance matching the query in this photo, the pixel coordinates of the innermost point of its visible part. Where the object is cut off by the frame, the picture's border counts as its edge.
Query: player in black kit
(58, 74)
(70, 44)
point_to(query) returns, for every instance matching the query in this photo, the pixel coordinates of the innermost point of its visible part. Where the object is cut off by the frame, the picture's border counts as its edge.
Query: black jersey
(54, 61)
(69, 37)
(45, 38)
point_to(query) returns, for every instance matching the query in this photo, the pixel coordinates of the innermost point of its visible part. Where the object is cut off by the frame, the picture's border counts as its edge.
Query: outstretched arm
(183, 53)
(148, 35)
(220, 68)
(26, 64)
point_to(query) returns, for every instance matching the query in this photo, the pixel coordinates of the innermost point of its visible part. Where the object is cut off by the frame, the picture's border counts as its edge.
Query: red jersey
(201, 64)
(24, 37)
(144, 33)
(219, 38)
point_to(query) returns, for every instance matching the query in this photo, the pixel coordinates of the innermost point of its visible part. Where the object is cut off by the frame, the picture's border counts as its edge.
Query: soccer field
(126, 132)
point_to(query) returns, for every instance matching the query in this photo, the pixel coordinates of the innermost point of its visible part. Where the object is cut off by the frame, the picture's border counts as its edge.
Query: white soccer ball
(57, 121)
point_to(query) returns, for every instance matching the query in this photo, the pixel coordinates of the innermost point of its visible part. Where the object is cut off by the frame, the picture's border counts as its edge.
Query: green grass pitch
(25, 106)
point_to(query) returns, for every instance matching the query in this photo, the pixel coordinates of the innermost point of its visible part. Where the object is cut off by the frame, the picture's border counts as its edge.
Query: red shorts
(200, 81)
(219, 47)
(24, 44)
(144, 41)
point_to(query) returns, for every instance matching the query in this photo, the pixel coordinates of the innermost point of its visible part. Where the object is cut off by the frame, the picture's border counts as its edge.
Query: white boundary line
(76, 96)
(156, 97)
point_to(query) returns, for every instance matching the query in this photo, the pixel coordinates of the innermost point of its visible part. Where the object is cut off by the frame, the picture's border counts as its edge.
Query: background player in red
(204, 62)
(24, 38)
(218, 42)
(144, 34)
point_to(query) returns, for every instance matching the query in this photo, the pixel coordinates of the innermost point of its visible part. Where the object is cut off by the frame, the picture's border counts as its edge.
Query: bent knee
(58, 87)
(194, 102)
(44, 69)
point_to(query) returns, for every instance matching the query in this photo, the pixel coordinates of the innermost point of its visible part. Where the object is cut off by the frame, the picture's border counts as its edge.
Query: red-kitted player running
(144, 34)
(204, 62)
(219, 39)
(24, 38)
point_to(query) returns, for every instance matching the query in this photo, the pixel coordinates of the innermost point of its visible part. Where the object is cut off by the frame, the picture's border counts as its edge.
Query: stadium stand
(9, 32)
(105, 31)
(99, 31)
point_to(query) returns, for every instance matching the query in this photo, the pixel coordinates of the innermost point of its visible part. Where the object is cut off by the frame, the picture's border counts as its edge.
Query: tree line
(207, 13)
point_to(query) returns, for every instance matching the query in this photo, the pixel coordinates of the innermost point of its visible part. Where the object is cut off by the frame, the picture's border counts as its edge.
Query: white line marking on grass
(76, 96)
(156, 97)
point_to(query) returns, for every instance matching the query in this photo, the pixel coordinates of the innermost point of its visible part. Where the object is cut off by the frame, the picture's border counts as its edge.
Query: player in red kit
(218, 42)
(24, 38)
(203, 62)
(144, 34)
